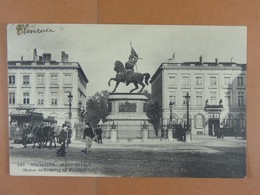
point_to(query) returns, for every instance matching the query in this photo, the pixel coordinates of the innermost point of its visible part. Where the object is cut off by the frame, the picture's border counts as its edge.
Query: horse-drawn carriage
(32, 127)
(18, 122)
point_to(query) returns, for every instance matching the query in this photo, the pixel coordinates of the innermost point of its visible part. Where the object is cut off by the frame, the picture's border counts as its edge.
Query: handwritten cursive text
(27, 29)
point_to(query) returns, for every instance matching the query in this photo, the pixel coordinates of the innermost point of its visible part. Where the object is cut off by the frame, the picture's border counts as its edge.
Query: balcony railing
(25, 107)
(218, 107)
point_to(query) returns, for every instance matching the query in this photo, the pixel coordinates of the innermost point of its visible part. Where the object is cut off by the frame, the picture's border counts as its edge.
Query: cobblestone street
(204, 157)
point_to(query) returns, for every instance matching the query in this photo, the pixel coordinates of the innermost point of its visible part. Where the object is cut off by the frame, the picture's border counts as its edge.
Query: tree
(97, 108)
(153, 111)
(154, 114)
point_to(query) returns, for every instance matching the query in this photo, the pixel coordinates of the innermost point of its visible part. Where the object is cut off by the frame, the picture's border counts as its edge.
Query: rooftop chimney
(216, 60)
(64, 57)
(46, 57)
(21, 58)
(201, 60)
(35, 55)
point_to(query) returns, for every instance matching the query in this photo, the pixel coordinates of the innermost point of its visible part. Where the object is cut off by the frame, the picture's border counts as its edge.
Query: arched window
(65, 117)
(174, 118)
(228, 121)
(199, 121)
(241, 121)
(54, 114)
(185, 119)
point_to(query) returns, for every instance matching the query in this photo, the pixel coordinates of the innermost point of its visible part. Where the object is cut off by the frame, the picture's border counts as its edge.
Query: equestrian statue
(127, 75)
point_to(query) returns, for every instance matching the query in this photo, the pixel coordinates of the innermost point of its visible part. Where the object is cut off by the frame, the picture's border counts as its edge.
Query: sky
(96, 47)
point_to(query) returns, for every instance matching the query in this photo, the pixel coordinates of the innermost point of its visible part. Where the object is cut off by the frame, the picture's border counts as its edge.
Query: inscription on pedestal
(127, 107)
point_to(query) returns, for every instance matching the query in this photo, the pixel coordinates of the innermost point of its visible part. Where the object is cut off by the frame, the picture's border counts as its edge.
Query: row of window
(40, 79)
(213, 98)
(213, 80)
(40, 99)
(200, 121)
(230, 121)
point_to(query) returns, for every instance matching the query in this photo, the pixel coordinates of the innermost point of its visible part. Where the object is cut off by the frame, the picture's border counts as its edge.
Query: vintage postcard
(127, 100)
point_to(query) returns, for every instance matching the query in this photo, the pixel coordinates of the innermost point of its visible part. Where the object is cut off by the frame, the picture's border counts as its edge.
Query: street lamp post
(81, 111)
(82, 115)
(188, 130)
(70, 100)
(171, 104)
(170, 129)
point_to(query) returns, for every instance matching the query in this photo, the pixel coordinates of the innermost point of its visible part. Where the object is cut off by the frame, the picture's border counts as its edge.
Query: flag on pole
(133, 56)
(133, 53)
(132, 60)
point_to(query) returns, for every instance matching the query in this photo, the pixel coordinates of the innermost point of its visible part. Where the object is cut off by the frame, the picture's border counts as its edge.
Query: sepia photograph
(92, 100)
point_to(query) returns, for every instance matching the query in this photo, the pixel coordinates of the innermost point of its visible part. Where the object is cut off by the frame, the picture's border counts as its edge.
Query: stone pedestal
(113, 135)
(170, 138)
(145, 135)
(128, 112)
(188, 137)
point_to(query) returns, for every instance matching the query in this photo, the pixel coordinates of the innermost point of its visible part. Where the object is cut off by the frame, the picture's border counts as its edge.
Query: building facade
(217, 93)
(46, 86)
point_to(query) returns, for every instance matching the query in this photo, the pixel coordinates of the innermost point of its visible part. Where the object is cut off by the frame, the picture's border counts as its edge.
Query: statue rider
(129, 66)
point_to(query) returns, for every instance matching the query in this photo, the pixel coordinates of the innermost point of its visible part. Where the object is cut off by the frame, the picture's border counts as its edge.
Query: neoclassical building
(217, 93)
(44, 85)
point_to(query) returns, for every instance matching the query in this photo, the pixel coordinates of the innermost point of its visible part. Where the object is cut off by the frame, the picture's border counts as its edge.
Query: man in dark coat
(99, 134)
(25, 132)
(88, 135)
(69, 136)
(62, 138)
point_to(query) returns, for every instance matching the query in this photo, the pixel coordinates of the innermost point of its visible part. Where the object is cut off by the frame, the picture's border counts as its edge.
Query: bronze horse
(136, 77)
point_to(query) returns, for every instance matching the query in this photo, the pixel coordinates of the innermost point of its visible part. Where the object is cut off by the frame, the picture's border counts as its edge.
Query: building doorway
(213, 124)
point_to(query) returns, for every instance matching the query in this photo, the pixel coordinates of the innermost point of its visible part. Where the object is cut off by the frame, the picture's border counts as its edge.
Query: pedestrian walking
(88, 135)
(62, 139)
(69, 136)
(99, 134)
(57, 133)
(220, 133)
(25, 132)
